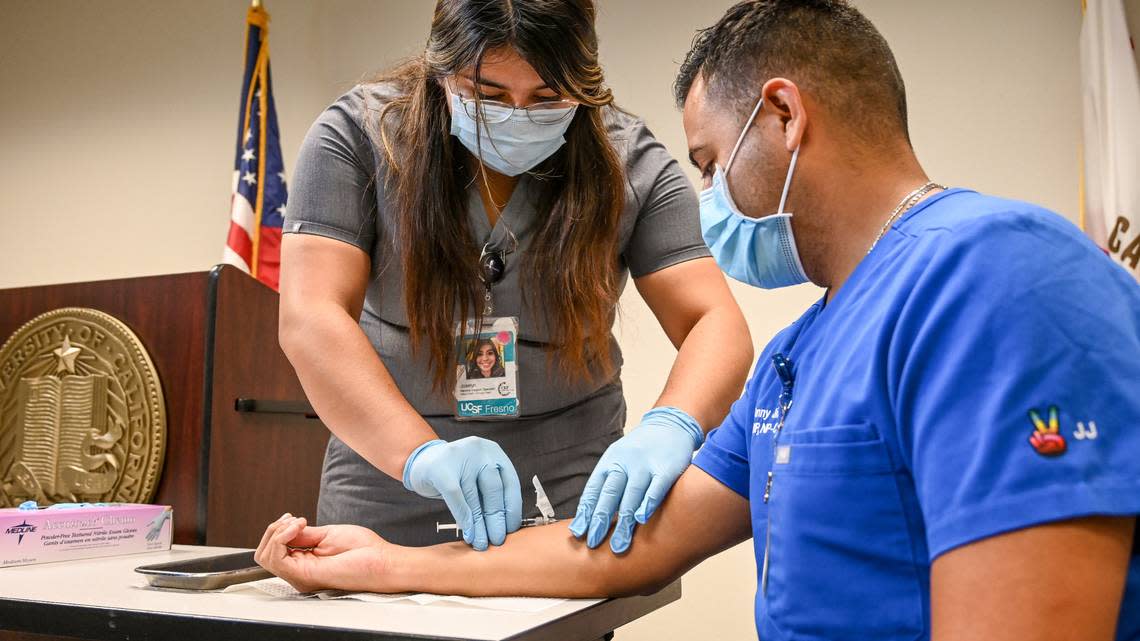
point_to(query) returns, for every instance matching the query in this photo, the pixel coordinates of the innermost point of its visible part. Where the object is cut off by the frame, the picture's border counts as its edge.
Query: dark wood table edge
(602, 617)
(115, 624)
(96, 622)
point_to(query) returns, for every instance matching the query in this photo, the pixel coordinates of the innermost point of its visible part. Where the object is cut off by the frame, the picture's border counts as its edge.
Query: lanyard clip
(783, 366)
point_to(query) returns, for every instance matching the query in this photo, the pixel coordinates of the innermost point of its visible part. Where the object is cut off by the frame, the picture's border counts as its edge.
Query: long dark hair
(570, 270)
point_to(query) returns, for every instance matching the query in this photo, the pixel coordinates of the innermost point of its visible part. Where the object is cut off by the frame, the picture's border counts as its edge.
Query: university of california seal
(82, 416)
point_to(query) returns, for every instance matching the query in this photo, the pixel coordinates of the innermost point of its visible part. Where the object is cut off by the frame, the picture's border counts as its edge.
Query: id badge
(486, 382)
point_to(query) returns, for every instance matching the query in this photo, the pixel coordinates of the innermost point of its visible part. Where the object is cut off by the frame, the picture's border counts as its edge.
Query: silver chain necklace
(904, 205)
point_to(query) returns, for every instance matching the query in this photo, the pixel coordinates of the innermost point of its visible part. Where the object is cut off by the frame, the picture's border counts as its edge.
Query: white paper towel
(277, 587)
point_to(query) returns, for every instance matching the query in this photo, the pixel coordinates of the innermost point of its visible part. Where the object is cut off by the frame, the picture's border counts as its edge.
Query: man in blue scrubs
(971, 375)
(946, 446)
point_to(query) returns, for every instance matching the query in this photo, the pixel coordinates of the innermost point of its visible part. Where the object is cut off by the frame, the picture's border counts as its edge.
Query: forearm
(538, 561)
(699, 518)
(711, 367)
(348, 385)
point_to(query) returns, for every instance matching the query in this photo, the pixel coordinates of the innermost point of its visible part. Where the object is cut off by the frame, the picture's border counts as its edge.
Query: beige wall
(117, 124)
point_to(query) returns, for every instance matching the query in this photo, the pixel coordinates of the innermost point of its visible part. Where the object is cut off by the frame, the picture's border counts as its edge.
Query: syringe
(546, 512)
(541, 520)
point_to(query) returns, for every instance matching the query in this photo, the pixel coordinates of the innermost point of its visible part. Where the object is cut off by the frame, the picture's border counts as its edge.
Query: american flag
(257, 209)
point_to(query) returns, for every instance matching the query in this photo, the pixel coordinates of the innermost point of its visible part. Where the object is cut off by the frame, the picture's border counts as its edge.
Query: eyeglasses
(493, 112)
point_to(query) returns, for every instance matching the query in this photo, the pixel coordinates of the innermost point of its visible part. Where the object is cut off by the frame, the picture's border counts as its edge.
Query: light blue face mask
(758, 251)
(513, 146)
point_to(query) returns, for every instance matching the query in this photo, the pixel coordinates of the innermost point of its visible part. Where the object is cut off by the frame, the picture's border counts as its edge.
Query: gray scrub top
(336, 194)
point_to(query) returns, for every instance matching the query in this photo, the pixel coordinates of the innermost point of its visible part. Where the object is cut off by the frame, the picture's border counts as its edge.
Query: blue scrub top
(978, 373)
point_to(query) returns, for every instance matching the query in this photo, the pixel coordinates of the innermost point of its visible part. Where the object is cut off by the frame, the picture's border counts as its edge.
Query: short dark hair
(826, 46)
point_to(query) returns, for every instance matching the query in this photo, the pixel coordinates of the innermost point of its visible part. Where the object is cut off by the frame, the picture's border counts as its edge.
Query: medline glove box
(45, 535)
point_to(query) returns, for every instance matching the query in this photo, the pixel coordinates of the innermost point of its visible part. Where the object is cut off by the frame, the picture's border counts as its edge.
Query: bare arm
(694, 306)
(700, 518)
(1058, 582)
(323, 282)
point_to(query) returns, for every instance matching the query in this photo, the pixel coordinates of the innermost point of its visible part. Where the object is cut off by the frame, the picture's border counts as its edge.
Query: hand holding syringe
(545, 509)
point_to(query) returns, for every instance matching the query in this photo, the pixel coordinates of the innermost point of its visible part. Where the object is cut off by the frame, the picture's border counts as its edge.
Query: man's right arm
(698, 519)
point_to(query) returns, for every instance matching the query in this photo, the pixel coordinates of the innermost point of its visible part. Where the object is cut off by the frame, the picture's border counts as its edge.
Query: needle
(541, 520)
(544, 507)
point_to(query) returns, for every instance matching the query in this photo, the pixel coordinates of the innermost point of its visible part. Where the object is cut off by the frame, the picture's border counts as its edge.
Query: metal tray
(205, 573)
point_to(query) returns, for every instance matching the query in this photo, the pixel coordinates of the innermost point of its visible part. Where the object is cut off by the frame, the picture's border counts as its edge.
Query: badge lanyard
(492, 266)
(783, 366)
(486, 382)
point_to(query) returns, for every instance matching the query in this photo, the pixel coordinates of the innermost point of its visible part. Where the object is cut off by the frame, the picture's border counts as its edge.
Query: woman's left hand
(340, 557)
(634, 475)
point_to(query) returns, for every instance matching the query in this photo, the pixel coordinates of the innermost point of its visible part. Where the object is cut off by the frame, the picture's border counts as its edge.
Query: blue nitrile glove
(476, 480)
(635, 474)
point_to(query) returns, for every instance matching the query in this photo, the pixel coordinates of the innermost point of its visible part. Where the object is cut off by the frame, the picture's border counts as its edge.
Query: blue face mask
(513, 146)
(758, 251)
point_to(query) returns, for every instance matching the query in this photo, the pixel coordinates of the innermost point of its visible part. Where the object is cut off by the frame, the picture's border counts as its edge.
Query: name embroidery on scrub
(765, 420)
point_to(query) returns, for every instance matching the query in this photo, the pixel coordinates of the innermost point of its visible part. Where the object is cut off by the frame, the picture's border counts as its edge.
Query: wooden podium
(243, 444)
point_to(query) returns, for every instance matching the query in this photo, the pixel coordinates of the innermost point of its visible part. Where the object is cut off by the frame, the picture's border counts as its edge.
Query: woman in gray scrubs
(489, 192)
